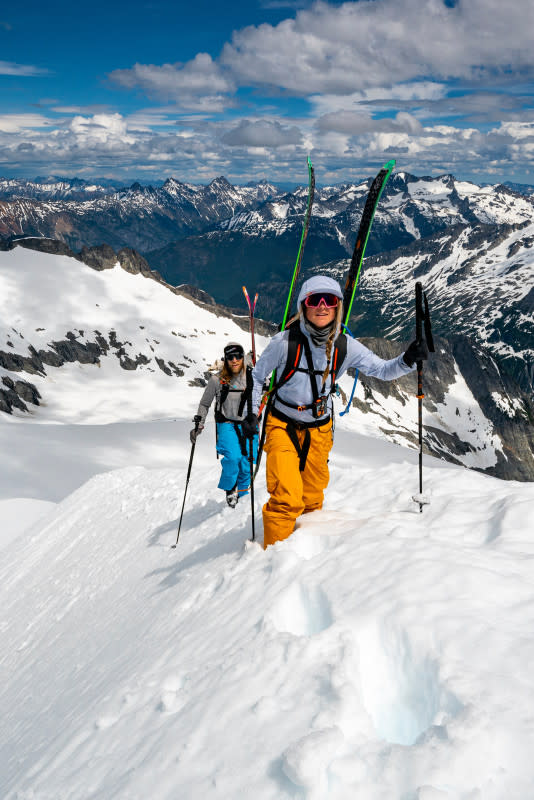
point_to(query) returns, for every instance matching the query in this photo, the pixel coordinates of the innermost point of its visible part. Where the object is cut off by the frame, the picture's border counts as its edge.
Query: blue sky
(148, 90)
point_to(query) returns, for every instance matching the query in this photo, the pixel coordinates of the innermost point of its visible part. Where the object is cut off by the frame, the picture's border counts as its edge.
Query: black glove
(417, 351)
(197, 430)
(249, 426)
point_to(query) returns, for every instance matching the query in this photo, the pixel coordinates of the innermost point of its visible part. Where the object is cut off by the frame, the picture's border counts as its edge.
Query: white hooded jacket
(297, 390)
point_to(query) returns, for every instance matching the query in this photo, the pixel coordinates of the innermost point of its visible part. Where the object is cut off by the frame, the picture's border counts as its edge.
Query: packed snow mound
(378, 652)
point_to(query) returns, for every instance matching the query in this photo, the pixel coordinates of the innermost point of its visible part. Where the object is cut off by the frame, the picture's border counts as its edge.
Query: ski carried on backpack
(305, 228)
(353, 275)
(266, 401)
(251, 309)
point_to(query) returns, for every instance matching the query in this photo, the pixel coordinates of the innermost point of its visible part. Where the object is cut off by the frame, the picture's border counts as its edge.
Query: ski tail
(305, 228)
(251, 310)
(373, 198)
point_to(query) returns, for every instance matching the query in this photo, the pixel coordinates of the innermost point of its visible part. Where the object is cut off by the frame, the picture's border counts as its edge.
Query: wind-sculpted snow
(377, 653)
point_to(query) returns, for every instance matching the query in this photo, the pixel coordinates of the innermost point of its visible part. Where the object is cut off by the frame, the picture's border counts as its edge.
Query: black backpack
(298, 344)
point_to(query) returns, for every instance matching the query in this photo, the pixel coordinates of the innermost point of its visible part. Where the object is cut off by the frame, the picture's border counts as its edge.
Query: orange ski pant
(293, 492)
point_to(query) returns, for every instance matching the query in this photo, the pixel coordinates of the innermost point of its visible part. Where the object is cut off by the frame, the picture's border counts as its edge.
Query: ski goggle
(233, 354)
(326, 298)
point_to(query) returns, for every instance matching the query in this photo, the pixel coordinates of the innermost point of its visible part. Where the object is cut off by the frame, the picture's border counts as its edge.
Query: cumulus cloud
(21, 70)
(262, 133)
(194, 85)
(370, 43)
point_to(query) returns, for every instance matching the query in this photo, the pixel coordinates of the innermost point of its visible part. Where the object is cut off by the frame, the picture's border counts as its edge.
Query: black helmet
(233, 349)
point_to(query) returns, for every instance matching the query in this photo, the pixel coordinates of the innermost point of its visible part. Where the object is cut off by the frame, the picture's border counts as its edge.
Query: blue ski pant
(235, 465)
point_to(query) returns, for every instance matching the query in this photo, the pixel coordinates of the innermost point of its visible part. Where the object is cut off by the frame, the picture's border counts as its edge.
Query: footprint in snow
(301, 610)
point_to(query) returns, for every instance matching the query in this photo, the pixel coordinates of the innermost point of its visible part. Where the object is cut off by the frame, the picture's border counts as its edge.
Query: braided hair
(336, 327)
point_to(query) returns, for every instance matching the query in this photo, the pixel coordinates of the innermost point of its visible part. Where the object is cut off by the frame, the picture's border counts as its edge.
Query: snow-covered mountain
(260, 244)
(480, 281)
(106, 340)
(412, 207)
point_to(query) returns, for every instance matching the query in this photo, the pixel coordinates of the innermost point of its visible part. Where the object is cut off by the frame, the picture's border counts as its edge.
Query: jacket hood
(319, 283)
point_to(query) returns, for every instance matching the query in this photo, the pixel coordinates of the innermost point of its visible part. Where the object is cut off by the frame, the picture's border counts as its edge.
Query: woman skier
(309, 356)
(232, 390)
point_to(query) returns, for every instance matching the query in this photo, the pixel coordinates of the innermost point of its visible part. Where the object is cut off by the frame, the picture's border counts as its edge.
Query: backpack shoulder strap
(295, 348)
(246, 395)
(340, 353)
(223, 394)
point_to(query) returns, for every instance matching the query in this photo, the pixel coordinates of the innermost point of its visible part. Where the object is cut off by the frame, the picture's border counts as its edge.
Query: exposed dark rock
(177, 371)
(17, 363)
(28, 392)
(43, 245)
(199, 382)
(9, 400)
(196, 294)
(72, 350)
(100, 257)
(127, 363)
(131, 261)
(161, 364)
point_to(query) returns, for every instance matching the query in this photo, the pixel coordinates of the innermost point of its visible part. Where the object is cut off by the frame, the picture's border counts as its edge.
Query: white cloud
(194, 85)
(21, 70)
(386, 97)
(378, 43)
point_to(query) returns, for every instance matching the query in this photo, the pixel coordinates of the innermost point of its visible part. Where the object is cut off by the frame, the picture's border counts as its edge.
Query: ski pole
(251, 462)
(251, 452)
(421, 316)
(196, 420)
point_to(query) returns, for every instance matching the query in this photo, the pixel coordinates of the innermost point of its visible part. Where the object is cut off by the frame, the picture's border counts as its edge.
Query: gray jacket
(230, 407)
(298, 390)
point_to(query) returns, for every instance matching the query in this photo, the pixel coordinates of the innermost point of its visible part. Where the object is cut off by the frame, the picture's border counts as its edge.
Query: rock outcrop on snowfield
(115, 342)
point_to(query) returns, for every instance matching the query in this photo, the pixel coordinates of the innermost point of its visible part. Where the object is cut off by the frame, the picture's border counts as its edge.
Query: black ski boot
(232, 497)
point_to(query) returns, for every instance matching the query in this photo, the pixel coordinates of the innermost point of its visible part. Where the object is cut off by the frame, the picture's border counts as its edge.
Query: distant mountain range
(142, 217)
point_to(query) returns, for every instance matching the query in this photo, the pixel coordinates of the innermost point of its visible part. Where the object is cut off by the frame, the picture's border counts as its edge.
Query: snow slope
(377, 653)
